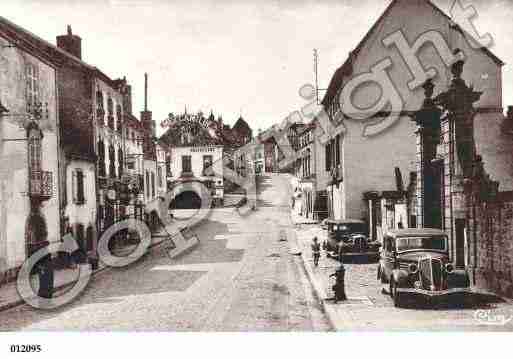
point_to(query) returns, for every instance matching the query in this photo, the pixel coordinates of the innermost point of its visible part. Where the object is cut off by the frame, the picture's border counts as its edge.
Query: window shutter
(337, 150)
(74, 187)
(80, 187)
(328, 155)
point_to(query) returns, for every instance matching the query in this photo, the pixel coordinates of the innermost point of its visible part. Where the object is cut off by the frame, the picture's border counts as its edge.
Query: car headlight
(449, 268)
(413, 268)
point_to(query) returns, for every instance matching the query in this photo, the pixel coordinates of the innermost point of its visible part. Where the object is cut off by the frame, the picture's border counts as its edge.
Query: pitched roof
(38, 46)
(242, 128)
(177, 135)
(347, 69)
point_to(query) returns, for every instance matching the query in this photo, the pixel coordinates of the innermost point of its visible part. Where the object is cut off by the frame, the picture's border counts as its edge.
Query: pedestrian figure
(316, 251)
(46, 275)
(339, 287)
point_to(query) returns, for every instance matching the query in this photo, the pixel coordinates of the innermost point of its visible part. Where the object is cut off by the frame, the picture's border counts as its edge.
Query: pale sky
(229, 56)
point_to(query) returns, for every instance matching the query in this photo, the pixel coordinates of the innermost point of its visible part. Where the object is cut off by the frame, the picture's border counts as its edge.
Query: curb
(319, 292)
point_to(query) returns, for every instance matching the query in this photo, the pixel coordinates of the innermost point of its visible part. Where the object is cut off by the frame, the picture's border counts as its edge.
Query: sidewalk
(338, 314)
(63, 279)
(369, 309)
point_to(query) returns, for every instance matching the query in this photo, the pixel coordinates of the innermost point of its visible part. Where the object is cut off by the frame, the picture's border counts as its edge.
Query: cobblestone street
(241, 277)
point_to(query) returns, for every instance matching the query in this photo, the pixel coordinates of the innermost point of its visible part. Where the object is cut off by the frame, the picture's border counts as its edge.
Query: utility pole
(316, 62)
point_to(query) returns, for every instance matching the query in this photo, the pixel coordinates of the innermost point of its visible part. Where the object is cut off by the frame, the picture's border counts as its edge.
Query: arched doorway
(186, 200)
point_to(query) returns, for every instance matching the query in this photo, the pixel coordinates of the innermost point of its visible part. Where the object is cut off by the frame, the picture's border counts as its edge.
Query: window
(32, 76)
(35, 151)
(186, 164)
(168, 165)
(99, 107)
(337, 150)
(120, 162)
(119, 118)
(147, 184)
(101, 159)
(434, 242)
(110, 113)
(112, 161)
(328, 156)
(159, 176)
(153, 184)
(207, 162)
(78, 187)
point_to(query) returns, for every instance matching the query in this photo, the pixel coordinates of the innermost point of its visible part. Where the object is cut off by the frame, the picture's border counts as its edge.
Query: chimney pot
(70, 43)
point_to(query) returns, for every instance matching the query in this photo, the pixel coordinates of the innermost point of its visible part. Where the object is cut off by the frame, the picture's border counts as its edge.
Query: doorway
(460, 243)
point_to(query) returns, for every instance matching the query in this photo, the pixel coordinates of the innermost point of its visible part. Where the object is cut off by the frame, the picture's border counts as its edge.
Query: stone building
(91, 151)
(195, 154)
(29, 147)
(465, 176)
(371, 148)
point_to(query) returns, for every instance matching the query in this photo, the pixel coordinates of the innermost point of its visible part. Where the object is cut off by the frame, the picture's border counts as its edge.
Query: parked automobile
(348, 237)
(416, 262)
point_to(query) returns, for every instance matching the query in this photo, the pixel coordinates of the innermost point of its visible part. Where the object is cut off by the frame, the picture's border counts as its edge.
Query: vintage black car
(348, 237)
(416, 261)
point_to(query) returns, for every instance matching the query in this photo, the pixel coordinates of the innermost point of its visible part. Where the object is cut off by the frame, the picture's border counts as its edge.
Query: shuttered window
(337, 150)
(328, 156)
(78, 187)
(153, 184)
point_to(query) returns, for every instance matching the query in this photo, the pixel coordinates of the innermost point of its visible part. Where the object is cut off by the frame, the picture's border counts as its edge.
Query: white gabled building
(194, 154)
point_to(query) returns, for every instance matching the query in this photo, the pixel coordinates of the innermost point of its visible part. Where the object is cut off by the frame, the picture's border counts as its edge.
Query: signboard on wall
(203, 149)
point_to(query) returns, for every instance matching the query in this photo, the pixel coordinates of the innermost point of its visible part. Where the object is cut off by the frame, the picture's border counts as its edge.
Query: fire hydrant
(339, 287)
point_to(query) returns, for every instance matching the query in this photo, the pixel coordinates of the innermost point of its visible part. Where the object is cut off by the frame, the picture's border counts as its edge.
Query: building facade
(29, 147)
(368, 155)
(194, 153)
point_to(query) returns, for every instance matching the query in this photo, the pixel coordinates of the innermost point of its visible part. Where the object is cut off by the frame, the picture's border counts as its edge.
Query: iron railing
(41, 184)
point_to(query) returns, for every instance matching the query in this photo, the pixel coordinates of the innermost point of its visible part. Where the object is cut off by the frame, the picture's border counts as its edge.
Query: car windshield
(432, 242)
(347, 228)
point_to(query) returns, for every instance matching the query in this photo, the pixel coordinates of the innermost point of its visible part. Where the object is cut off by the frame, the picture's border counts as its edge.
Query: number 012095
(25, 348)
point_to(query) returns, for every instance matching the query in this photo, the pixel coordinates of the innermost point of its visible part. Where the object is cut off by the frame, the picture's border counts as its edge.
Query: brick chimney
(148, 125)
(70, 43)
(146, 116)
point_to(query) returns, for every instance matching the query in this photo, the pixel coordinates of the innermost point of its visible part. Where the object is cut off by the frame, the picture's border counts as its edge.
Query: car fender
(400, 277)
